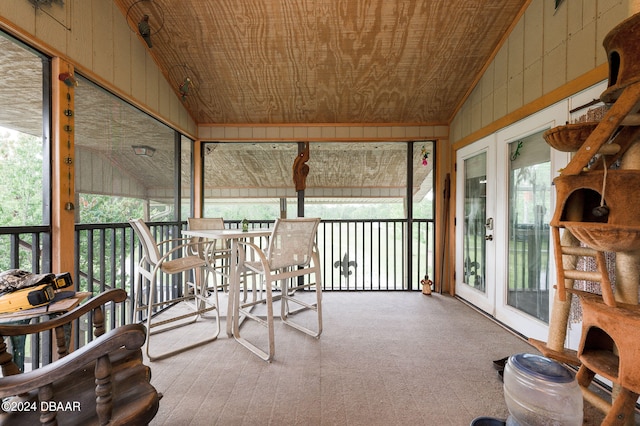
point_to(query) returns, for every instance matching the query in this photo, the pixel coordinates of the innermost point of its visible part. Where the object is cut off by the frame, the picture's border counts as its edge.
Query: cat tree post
(561, 308)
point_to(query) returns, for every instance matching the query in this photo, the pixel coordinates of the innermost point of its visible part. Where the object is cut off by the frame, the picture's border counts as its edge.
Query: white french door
(475, 211)
(504, 203)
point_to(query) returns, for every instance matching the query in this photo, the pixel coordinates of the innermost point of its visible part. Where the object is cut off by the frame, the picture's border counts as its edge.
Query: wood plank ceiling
(323, 61)
(282, 62)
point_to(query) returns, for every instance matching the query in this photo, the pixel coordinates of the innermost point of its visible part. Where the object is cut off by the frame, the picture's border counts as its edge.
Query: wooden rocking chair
(103, 382)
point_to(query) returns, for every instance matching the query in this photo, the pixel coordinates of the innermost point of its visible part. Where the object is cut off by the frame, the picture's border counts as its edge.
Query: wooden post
(198, 179)
(300, 172)
(63, 169)
(283, 208)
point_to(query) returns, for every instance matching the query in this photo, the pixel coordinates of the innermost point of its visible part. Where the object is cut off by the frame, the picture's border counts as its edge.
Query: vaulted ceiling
(284, 62)
(323, 61)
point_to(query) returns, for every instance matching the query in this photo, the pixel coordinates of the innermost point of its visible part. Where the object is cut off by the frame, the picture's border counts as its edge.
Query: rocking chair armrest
(112, 295)
(130, 336)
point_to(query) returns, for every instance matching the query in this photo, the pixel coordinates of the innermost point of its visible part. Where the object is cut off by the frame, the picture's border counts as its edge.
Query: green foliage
(390, 210)
(108, 209)
(21, 177)
(265, 209)
(237, 211)
(95, 208)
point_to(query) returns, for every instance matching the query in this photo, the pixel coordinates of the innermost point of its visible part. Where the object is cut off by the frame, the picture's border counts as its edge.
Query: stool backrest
(291, 242)
(196, 246)
(149, 245)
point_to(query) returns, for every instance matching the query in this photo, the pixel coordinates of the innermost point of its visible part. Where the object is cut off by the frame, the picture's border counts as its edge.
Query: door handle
(489, 224)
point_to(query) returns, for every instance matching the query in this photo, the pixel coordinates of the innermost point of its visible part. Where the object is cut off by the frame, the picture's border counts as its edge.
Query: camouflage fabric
(15, 279)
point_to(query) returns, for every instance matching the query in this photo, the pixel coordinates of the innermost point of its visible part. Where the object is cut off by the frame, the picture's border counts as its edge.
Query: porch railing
(25, 247)
(357, 255)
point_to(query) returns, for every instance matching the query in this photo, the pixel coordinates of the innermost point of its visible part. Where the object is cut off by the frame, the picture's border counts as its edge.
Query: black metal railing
(25, 247)
(357, 255)
(371, 255)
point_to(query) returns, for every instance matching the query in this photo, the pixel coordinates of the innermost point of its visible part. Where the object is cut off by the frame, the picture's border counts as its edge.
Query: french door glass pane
(475, 202)
(529, 216)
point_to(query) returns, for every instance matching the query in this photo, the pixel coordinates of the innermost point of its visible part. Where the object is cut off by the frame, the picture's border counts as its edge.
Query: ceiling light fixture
(143, 150)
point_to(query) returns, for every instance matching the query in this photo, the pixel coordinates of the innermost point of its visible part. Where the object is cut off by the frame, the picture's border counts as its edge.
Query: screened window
(24, 156)
(186, 178)
(345, 180)
(125, 161)
(22, 150)
(360, 191)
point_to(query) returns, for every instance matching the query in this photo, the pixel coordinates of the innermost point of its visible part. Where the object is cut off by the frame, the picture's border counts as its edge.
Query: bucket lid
(541, 367)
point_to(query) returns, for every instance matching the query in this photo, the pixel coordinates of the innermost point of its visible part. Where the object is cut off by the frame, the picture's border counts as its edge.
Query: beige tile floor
(384, 358)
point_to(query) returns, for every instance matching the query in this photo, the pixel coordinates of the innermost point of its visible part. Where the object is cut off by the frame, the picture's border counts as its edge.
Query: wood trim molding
(63, 170)
(328, 140)
(323, 125)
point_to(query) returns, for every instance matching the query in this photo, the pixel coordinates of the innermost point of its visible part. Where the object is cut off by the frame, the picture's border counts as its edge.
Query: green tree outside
(21, 176)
